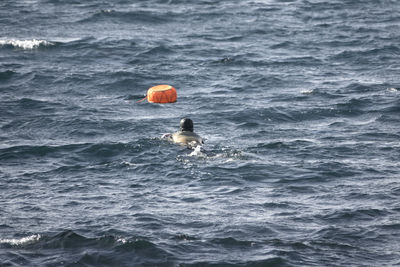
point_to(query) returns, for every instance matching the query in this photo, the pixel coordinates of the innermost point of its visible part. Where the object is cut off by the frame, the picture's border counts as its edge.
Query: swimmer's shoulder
(186, 137)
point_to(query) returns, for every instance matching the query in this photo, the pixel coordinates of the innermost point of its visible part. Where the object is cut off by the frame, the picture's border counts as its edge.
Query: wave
(77, 155)
(232, 242)
(85, 150)
(27, 107)
(273, 261)
(25, 44)
(138, 16)
(109, 250)
(20, 241)
(353, 215)
(5, 75)
(116, 250)
(384, 53)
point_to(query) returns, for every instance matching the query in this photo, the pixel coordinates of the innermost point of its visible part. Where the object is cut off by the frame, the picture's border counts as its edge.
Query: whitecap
(106, 11)
(307, 91)
(25, 44)
(20, 241)
(122, 240)
(128, 164)
(197, 152)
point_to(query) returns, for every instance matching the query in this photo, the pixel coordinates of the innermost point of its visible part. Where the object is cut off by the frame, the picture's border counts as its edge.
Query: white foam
(307, 91)
(25, 44)
(122, 240)
(106, 11)
(392, 89)
(21, 241)
(127, 163)
(197, 152)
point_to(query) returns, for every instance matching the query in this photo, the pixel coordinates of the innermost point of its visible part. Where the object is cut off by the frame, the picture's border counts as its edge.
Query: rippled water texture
(298, 102)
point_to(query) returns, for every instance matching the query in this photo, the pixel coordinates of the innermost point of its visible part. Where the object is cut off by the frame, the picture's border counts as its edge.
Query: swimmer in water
(185, 135)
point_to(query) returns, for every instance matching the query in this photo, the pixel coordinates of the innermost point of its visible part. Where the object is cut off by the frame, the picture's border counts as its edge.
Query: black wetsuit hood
(186, 125)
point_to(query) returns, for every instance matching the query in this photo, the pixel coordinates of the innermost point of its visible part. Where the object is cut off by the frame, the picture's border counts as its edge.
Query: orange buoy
(161, 94)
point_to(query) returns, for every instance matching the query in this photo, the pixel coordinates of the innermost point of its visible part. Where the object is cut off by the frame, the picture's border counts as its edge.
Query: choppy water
(298, 100)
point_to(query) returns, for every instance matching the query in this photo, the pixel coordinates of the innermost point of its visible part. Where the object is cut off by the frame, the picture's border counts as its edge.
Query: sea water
(298, 101)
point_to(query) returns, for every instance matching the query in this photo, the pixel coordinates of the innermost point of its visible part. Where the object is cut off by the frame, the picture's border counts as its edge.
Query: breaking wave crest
(20, 241)
(25, 44)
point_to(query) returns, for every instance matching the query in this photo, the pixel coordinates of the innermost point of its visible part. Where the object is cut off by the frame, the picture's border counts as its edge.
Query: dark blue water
(298, 100)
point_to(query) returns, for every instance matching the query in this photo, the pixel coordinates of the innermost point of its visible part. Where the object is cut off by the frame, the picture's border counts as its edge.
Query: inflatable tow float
(161, 94)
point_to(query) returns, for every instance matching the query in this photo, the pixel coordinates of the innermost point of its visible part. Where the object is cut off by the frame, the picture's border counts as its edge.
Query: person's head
(186, 125)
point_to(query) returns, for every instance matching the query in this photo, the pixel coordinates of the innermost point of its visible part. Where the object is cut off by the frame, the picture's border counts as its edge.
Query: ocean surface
(298, 100)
